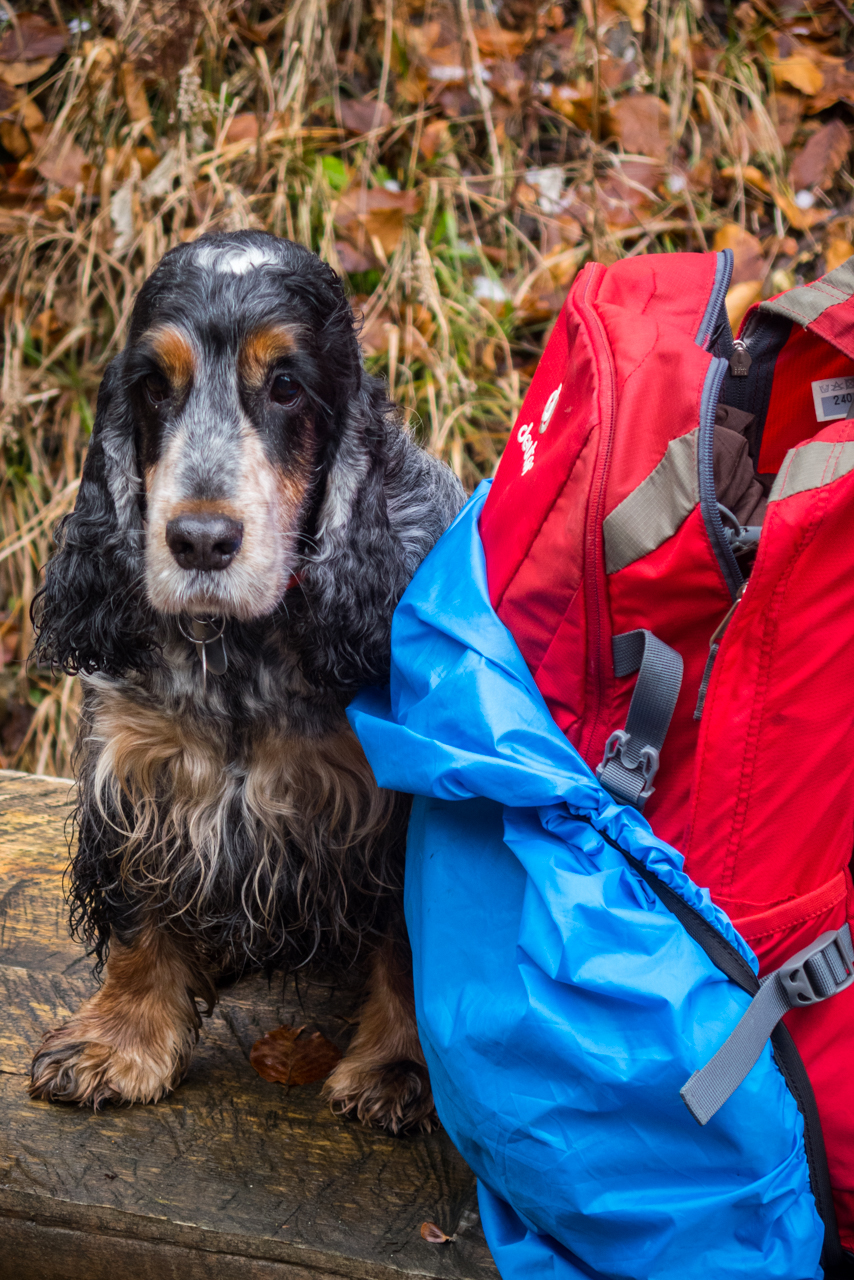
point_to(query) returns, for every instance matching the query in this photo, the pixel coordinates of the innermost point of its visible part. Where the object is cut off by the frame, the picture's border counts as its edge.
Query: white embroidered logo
(551, 404)
(528, 446)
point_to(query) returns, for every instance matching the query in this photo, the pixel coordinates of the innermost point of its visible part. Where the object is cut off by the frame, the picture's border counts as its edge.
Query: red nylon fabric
(759, 793)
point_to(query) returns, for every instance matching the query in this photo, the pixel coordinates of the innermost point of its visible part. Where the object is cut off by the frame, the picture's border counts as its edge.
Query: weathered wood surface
(231, 1176)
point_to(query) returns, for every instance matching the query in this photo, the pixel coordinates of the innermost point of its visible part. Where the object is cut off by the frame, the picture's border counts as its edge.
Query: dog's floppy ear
(91, 615)
(386, 504)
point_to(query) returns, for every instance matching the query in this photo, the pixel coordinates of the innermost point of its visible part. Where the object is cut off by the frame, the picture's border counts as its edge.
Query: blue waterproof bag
(562, 1003)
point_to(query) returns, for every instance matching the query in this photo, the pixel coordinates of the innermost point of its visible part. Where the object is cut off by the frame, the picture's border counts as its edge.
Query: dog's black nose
(203, 541)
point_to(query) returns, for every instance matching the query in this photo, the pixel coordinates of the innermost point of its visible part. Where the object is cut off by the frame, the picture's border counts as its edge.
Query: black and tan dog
(249, 514)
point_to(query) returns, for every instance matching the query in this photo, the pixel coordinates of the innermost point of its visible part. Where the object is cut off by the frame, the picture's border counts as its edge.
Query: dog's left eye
(285, 391)
(156, 388)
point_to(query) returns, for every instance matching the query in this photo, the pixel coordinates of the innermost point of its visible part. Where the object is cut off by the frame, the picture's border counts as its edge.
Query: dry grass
(518, 139)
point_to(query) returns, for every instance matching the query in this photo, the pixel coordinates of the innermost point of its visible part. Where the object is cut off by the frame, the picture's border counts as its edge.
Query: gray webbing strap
(631, 755)
(817, 972)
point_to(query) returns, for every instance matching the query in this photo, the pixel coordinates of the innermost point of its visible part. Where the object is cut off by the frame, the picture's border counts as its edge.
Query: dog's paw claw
(395, 1095)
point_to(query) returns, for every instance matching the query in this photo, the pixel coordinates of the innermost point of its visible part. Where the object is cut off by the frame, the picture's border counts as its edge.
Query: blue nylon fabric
(560, 1006)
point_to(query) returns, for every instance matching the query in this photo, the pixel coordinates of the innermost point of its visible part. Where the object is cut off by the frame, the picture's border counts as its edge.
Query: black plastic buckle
(805, 975)
(647, 762)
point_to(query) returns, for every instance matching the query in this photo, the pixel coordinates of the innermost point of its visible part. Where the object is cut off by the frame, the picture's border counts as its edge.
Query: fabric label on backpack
(833, 398)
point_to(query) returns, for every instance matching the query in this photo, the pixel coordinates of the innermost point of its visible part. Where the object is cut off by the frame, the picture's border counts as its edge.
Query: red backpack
(623, 531)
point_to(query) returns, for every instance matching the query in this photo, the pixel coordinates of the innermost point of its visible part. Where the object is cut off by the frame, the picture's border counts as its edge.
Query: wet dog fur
(236, 822)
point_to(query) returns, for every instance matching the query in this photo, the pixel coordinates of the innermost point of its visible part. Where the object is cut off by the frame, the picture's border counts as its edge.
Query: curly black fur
(322, 882)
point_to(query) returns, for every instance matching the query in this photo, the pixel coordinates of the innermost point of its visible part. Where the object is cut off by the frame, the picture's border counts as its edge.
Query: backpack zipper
(714, 646)
(712, 387)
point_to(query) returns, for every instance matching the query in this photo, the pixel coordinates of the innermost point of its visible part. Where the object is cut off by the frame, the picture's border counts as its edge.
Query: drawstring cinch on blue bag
(561, 1005)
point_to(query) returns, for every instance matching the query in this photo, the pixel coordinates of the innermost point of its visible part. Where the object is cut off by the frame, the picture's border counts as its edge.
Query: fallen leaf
(287, 1056)
(749, 265)
(435, 137)
(361, 115)
(134, 94)
(800, 219)
(59, 206)
(786, 110)
(58, 157)
(351, 260)
(641, 122)
(14, 139)
(818, 162)
(24, 72)
(243, 127)
(634, 11)
(628, 193)
(433, 1234)
(375, 213)
(103, 58)
(32, 38)
(374, 334)
(749, 173)
(837, 85)
(495, 42)
(798, 71)
(837, 252)
(740, 298)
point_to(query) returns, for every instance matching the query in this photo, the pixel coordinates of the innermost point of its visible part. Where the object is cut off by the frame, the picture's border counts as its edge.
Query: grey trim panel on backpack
(812, 465)
(733, 576)
(807, 303)
(657, 508)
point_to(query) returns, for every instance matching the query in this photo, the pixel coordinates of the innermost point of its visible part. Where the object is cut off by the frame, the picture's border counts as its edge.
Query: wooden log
(230, 1176)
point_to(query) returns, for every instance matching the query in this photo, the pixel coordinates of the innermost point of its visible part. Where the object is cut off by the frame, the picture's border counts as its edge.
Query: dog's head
(240, 371)
(233, 435)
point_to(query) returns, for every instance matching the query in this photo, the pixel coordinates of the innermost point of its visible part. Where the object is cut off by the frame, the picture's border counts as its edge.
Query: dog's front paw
(77, 1064)
(391, 1095)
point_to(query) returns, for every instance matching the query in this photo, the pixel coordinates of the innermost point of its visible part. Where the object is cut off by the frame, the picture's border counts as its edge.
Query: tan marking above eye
(174, 353)
(261, 349)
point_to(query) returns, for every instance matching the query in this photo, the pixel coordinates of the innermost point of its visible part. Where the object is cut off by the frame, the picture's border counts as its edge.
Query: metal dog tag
(210, 646)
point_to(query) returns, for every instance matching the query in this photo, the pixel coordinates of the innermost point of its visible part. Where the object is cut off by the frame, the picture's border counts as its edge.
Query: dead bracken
(458, 162)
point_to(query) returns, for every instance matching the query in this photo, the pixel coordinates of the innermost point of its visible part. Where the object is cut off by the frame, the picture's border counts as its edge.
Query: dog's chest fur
(245, 807)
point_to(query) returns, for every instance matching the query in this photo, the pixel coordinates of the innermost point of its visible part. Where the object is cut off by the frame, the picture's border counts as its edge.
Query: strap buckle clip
(618, 748)
(816, 972)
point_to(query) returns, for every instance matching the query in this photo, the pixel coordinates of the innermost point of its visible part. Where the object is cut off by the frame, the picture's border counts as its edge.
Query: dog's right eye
(156, 388)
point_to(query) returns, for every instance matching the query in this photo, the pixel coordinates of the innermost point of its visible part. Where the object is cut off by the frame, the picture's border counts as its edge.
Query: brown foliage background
(456, 160)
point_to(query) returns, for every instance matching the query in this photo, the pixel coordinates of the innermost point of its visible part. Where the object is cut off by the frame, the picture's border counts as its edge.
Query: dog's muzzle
(199, 541)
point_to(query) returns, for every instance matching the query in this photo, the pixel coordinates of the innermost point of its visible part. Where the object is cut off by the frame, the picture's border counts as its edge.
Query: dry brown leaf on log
(375, 214)
(641, 123)
(361, 115)
(434, 1235)
(288, 1056)
(818, 162)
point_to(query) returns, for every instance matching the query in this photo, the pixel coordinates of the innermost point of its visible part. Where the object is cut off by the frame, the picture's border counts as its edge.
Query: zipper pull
(740, 360)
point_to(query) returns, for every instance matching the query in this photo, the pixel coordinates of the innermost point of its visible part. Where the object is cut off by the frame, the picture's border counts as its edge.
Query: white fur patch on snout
(261, 498)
